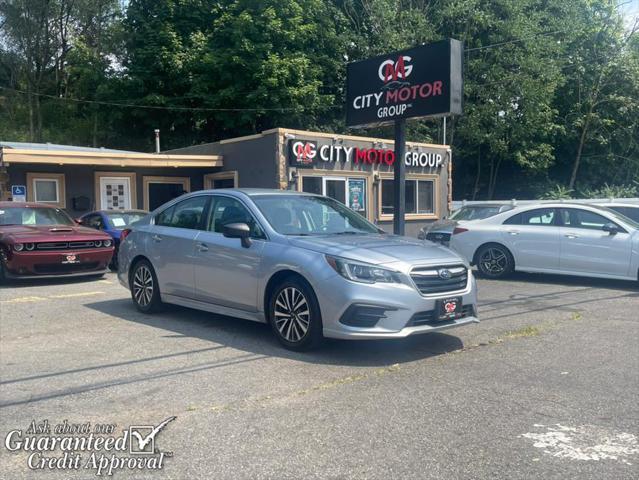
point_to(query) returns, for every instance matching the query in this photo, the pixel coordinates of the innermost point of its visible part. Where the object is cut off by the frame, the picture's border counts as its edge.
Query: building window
(159, 190)
(221, 180)
(46, 188)
(420, 197)
(312, 185)
(351, 191)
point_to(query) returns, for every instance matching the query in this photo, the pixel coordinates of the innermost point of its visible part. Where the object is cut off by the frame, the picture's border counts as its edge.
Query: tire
(494, 261)
(145, 292)
(300, 332)
(3, 276)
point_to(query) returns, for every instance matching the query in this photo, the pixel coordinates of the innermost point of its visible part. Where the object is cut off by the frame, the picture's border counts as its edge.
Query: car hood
(377, 249)
(49, 233)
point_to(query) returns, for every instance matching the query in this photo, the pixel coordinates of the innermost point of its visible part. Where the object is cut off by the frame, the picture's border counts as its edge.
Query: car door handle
(202, 247)
(513, 232)
(156, 238)
(571, 235)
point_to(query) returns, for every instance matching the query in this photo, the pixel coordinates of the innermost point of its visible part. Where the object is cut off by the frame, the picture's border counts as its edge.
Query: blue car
(112, 222)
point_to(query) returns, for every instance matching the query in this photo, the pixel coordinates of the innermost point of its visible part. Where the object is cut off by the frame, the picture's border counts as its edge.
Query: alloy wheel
(143, 286)
(494, 261)
(292, 314)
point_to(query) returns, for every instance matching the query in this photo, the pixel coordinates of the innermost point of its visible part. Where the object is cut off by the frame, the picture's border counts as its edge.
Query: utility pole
(399, 178)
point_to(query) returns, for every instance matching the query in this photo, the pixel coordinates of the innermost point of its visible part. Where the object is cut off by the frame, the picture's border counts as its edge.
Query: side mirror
(238, 230)
(78, 221)
(611, 228)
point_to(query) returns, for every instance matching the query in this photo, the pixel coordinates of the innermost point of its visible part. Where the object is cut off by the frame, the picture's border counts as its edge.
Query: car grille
(430, 280)
(52, 269)
(429, 317)
(438, 237)
(64, 245)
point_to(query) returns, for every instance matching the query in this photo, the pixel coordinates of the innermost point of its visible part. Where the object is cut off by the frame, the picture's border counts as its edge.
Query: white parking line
(49, 297)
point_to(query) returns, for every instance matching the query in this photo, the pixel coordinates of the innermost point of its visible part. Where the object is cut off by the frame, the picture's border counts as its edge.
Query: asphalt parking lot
(546, 386)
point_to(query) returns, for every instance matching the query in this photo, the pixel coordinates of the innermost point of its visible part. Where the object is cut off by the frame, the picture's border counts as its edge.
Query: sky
(630, 11)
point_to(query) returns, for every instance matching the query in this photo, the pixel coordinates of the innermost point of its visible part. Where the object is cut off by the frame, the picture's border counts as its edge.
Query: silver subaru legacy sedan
(306, 264)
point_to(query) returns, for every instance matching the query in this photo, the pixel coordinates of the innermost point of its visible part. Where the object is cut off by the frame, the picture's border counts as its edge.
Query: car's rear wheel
(294, 315)
(495, 261)
(144, 287)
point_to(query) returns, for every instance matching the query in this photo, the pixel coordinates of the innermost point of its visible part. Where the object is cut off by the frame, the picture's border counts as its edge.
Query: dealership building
(357, 171)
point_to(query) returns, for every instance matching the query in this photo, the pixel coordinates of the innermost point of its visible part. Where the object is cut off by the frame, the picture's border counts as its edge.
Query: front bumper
(54, 264)
(402, 304)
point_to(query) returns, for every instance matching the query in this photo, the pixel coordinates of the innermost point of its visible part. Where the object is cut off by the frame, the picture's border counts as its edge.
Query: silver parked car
(306, 264)
(563, 238)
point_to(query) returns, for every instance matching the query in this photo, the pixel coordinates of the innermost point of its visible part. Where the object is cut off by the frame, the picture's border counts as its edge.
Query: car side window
(539, 217)
(164, 217)
(575, 218)
(514, 220)
(226, 210)
(95, 221)
(186, 214)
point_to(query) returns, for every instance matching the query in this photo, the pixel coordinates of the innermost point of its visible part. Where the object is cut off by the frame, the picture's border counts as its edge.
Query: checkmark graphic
(145, 440)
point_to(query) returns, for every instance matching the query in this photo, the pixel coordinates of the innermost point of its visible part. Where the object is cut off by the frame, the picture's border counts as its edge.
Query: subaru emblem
(444, 273)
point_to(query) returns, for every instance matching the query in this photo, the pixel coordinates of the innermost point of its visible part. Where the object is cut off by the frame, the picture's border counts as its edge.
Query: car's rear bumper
(59, 263)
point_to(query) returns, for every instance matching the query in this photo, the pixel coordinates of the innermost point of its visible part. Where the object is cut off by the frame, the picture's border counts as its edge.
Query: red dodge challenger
(39, 241)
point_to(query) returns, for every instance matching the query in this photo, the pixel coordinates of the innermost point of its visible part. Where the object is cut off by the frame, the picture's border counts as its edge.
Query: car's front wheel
(495, 261)
(294, 315)
(144, 287)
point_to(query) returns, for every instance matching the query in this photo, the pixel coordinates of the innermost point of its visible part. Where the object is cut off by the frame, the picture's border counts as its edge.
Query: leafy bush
(557, 192)
(613, 191)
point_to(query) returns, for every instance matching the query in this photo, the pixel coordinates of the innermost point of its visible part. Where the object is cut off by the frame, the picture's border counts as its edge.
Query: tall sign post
(423, 81)
(399, 177)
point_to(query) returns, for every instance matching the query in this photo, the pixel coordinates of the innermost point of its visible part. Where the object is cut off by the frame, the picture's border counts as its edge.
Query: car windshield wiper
(348, 232)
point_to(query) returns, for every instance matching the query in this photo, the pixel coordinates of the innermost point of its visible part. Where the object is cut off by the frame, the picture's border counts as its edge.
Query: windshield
(621, 217)
(310, 215)
(33, 216)
(120, 220)
(477, 213)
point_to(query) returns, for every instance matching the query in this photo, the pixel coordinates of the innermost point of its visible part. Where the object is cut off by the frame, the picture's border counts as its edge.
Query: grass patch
(523, 332)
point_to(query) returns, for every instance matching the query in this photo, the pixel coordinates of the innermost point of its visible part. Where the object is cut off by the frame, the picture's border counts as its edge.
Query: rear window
(478, 213)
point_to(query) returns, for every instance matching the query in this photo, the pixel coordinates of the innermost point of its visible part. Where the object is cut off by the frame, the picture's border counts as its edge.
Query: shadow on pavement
(569, 281)
(257, 337)
(40, 282)
(254, 341)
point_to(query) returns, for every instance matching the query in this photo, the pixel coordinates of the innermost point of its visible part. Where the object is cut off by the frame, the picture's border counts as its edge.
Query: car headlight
(363, 272)
(18, 247)
(107, 243)
(29, 246)
(98, 243)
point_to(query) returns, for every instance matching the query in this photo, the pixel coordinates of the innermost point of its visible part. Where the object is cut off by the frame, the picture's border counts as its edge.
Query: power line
(516, 40)
(158, 107)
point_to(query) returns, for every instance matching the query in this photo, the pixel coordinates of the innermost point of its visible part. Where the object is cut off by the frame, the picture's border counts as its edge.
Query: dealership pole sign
(423, 81)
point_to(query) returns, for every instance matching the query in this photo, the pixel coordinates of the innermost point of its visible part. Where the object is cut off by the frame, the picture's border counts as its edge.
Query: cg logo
(304, 152)
(389, 70)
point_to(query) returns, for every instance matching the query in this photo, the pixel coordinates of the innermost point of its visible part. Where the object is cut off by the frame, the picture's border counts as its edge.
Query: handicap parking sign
(19, 193)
